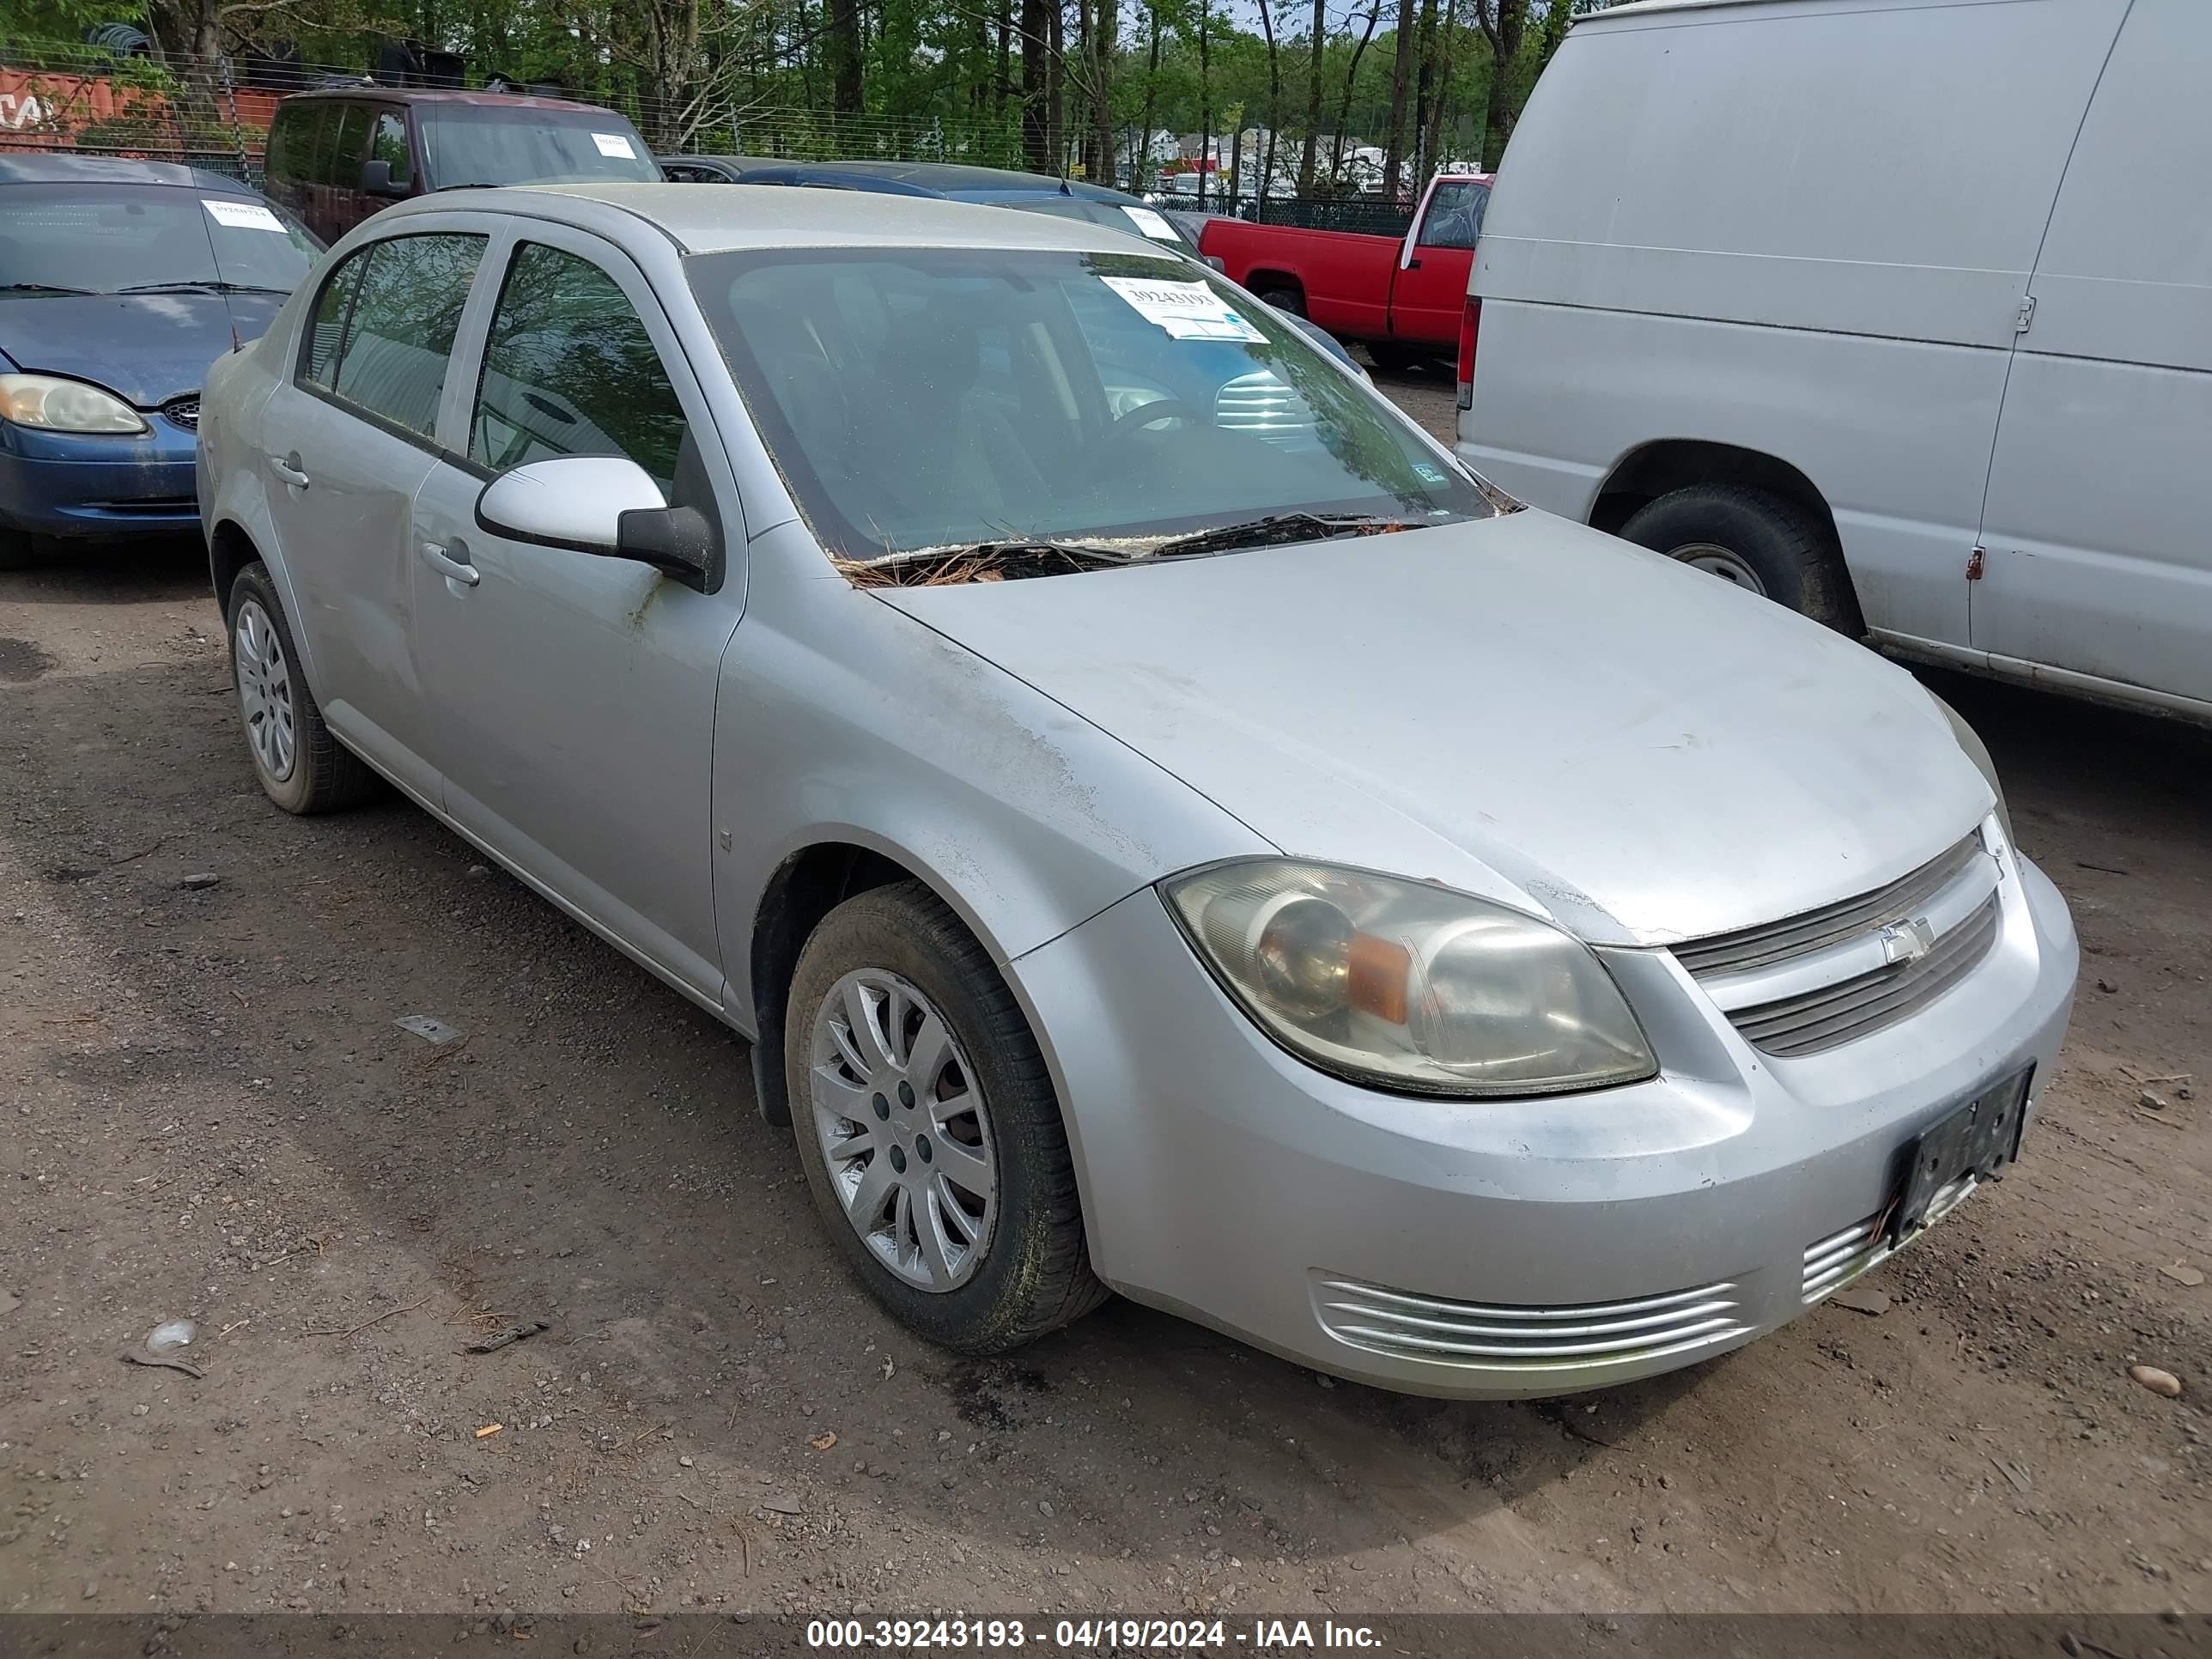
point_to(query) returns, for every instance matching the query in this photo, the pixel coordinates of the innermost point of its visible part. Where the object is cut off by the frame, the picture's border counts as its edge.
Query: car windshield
(520, 144)
(922, 400)
(112, 239)
(1135, 218)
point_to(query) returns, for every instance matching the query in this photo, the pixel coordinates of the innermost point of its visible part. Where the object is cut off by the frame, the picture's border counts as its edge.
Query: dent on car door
(575, 692)
(346, 445)
(2096, 561)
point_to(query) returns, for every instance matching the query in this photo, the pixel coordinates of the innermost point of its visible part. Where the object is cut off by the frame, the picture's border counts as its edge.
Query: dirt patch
(21, 662)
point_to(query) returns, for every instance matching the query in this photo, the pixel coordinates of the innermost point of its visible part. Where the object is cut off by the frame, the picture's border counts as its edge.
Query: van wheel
(300, 766)
(1760, 541)
(928, 1127)
(1284, 299)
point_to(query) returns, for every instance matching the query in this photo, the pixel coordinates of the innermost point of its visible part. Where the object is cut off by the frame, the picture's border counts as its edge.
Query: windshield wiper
(1276, 529)
(42, 287)
(210, 284)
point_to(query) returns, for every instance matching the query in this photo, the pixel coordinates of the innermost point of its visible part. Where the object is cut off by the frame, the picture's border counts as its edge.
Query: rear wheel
(1285, 299)
(928, 1127)
(301, 766)
(17, 550)
(1755, 540)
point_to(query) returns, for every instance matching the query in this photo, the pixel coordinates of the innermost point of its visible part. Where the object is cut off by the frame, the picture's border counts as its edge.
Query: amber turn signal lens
(1376, 972)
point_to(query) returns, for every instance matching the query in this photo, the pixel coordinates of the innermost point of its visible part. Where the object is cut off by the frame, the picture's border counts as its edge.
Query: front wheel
(1752, 539)
(928, 1128)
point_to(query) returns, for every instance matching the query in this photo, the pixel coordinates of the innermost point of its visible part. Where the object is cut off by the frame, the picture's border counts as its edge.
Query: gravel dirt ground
(206, 1111)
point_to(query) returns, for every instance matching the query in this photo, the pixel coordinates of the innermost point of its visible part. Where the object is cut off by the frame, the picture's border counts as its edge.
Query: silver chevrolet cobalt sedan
(1163, 825)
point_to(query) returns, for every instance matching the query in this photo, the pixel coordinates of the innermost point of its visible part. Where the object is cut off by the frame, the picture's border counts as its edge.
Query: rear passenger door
(349, 438)
(573, 694)
(2097, 560)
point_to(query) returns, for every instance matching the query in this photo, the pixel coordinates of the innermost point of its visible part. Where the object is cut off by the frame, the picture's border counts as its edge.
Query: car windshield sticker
(1152, 224)
(615, 144)
(243, 215)
(1188, 311)
(1434, 475)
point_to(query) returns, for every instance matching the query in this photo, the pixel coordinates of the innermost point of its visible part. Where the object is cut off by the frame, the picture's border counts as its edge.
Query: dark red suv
(338, 155)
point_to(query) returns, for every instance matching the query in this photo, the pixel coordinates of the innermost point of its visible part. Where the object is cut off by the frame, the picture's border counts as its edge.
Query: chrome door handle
(446, 565)
(290, 470)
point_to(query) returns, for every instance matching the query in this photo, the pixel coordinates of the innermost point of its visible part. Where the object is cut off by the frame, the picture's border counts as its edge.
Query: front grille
(1833, 1262)
(152, 507)
(1487, 1337)
(1799, 935)
(185, 411)
(1852, 1008)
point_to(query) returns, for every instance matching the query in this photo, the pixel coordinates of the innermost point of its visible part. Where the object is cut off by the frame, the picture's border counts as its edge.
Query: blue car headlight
(51, 404)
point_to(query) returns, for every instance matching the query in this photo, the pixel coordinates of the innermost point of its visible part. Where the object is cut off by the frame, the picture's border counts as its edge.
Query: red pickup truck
(1403, 295)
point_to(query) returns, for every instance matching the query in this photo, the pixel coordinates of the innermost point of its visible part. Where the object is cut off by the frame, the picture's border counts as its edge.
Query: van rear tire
(1761, 542)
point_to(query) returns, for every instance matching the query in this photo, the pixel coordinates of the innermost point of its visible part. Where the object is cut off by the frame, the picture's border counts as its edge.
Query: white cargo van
(1897, 311)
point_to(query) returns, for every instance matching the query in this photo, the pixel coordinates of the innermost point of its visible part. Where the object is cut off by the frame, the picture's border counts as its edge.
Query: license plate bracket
(1977, 1137)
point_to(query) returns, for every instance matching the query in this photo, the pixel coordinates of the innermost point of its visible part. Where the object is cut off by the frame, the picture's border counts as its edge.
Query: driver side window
(570, 369)
(1454, 216)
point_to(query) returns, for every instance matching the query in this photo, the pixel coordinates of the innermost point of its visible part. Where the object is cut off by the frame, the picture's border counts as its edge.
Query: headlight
(1978, 752)
(1408, 985)
(59, 405)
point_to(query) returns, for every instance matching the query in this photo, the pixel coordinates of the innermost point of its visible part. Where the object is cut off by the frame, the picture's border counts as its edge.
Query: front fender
(840, 720)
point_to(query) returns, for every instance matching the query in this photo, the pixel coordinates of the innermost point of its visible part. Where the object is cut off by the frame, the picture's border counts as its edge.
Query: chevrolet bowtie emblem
(1907, 941)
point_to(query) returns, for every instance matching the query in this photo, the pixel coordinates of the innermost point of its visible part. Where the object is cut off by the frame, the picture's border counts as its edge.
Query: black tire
(1285, 299)
(1399, 357)
(1034, 1273)
(1789, 554)
(18, 551)
(324, 775)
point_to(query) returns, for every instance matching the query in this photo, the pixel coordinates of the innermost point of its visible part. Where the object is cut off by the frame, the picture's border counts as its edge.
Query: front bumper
(1505, 1249)
(88, 486)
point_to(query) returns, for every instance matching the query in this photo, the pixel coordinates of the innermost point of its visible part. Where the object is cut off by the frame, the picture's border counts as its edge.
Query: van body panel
(1906, 491)
(2097, 556)
(1945, 258)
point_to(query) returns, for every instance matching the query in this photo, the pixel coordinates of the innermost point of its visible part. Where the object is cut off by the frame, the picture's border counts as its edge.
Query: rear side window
(388, 144)
(384, 324)
(569, 370)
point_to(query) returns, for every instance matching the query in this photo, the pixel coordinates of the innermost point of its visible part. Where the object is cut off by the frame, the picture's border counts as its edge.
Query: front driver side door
(1429, 292)
(575, 693)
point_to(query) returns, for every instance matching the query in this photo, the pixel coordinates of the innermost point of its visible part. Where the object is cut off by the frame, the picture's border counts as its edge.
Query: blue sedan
(120, 282)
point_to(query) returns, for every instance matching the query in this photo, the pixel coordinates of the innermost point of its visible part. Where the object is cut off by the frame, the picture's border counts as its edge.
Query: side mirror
(376, 178)
(1217, 261)
(607, 506)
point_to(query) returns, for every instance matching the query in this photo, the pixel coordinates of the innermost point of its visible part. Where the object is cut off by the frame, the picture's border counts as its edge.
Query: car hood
(1517, 706)
(145, 348)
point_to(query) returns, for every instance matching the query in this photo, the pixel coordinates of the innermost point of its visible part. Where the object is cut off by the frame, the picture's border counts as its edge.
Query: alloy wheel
(265, 691)
(904, 1130)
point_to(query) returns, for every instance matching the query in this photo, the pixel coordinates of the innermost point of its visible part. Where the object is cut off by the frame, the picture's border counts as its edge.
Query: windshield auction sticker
(1188, 311)
(243, 215)
(1151, 224)
(615, 144)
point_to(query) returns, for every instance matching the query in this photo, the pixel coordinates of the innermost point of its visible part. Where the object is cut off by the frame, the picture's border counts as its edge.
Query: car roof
(371, 90)
(53, 169)
(777, 216)
(951, 178)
